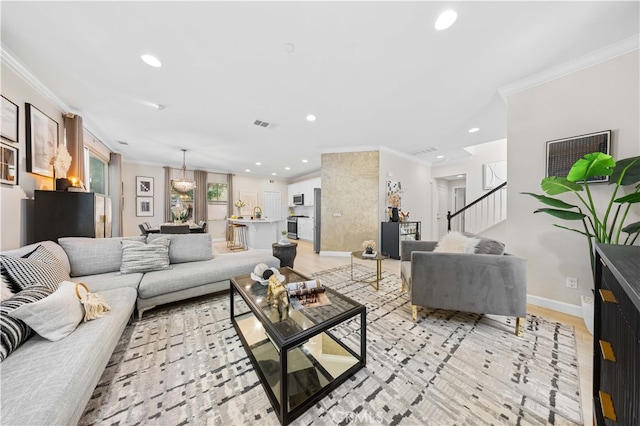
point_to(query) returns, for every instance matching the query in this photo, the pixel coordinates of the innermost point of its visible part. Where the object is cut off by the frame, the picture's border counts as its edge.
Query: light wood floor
(308, 262)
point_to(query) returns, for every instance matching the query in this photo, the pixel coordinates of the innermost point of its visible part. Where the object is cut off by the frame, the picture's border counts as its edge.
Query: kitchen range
(292, 226)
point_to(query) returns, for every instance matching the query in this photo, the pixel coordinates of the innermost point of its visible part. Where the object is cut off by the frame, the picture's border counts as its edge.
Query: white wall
(604, 96)
(129, 219)
(245, 183)
(15, 200)
(415, 178)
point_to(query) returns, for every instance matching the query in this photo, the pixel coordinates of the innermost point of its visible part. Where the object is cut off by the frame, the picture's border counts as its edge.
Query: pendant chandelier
(183, 185)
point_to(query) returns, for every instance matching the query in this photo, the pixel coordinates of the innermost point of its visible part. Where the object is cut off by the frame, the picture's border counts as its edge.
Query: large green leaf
(554, 185)
(594, 164)
(632, 228)
(553, 202)
(574, 230)
(631, 198)
(629, 169)
(562, 214)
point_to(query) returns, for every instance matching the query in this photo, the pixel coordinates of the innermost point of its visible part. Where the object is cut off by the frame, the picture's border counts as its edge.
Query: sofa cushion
(193, 274)
(187, 247)
(52, 247)
(89, 256)
(140, 257)
(455, 242)
(50, 383)
(489, 246)
(39, 267)
(13, 331)
(55, 316)
(109, 281)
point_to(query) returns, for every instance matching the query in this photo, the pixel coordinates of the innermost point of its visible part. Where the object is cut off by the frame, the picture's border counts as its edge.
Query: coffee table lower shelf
(316, 361)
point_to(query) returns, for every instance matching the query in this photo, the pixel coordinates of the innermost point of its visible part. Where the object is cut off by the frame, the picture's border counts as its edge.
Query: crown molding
(15, 65)
(606, 53)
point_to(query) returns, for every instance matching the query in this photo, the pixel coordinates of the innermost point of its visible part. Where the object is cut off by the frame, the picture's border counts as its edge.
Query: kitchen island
(261, 233)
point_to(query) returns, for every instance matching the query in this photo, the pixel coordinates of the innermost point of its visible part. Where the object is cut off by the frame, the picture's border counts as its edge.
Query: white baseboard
(565, 308)
(218, 239)
(335, 253)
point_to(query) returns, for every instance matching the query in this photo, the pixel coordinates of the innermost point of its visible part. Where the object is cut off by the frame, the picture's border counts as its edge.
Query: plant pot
(283, 241)
(587, 312)
(394, 215)
(62, 184)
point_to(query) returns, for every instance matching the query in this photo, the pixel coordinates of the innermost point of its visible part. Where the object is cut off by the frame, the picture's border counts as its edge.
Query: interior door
(272, 204)
(441, 216)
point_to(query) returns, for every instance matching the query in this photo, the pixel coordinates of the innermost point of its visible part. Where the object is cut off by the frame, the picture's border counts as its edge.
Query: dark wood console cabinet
(616, 337)
(393, 233)
(71, 214)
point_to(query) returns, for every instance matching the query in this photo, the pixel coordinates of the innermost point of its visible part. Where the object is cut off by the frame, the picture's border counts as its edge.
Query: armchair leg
(520, 322)
(414, 311)
(402, 287)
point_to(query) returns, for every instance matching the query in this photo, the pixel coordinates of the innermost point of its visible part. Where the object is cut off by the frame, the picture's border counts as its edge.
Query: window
(95, 172)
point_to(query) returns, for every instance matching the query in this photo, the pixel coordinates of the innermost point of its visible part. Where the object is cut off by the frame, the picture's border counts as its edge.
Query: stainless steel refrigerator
(316, 219)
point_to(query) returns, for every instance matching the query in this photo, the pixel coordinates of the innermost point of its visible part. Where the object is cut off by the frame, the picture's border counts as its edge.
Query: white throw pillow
(55, 316)
(455, 242)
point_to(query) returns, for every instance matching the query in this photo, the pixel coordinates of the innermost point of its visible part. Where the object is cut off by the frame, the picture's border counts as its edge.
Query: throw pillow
(14, 332)
(5, 288)
(455, 242)
(55, 316)
(141, 257)
(39, 267)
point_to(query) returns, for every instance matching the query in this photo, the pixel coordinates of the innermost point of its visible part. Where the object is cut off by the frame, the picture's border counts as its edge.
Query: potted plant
(284, 239)
(239, 204)
(605, 225)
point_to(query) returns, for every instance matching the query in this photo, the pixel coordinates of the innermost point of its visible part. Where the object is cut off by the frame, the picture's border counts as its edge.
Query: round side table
(285, 252)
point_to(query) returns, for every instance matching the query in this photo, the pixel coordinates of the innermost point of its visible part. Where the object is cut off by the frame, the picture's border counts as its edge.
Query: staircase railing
(482, 213)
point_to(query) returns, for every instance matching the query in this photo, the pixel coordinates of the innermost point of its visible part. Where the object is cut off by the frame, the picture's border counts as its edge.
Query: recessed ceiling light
(151, 60)
(446, 19)
(289, 47)
(247, 170)
(258, 163)
(305, 161)
(311, 117)
(159, 107)
(273, 174)
(287, 168)
(460, 176)
(440, 156)
(473, 129)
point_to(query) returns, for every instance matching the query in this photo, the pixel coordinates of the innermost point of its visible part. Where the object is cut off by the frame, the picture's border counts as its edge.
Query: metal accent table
(379, 257)
(294, 352)
(285, 252)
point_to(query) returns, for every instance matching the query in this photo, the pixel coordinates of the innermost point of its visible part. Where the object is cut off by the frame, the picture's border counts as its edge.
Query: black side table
(285, 252)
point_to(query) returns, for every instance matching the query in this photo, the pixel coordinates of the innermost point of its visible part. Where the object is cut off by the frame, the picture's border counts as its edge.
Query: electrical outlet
(572, 282)
(337, 215)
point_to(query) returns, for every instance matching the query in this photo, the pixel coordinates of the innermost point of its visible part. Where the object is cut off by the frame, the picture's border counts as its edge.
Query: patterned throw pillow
(141, 257)
(14, 332)
(38, 267)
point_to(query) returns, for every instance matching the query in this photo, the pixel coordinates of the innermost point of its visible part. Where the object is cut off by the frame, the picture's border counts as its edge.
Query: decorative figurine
(279, 293)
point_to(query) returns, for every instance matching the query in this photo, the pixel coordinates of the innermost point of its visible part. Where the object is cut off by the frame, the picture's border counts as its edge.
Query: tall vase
(394, 215)
(239, 214)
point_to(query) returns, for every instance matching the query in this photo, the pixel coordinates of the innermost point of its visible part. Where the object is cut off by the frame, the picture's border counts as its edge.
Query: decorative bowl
(259, 279)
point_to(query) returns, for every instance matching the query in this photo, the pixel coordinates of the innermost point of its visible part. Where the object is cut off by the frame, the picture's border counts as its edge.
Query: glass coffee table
(300, 355)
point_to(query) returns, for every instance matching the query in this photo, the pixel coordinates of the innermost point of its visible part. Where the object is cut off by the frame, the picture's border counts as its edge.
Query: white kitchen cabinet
(305, 228)
(304, 187)
(293, 189)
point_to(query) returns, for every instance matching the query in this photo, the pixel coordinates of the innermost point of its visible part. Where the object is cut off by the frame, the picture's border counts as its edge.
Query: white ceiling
(376, 74)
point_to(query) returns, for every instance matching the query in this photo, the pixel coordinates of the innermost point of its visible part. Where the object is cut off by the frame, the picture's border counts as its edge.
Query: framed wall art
(494, 174)
(563, 153)
(8, 164)
(42, 140)
(217, 193)
(9, 123)
(144, 206)
(144, 186)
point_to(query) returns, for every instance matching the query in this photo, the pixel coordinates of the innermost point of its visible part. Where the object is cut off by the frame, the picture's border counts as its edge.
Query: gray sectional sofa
(44, 382)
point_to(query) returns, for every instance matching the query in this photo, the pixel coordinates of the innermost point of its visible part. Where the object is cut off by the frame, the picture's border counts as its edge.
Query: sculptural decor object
(278, 292)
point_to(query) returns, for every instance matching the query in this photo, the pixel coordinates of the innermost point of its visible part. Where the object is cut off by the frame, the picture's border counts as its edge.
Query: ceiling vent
(265, 124)
(427, 150)
(123, 143)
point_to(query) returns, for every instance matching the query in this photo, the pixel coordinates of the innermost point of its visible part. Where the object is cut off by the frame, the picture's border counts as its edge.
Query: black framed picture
(144, 186)
(42, 140)
(9, 123)
(144, 206)
(8, 164)
(563, 153)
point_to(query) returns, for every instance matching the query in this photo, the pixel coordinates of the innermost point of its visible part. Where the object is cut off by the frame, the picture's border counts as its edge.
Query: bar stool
(238, 240)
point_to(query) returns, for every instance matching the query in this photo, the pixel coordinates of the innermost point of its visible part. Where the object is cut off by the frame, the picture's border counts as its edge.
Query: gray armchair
(480, 283)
